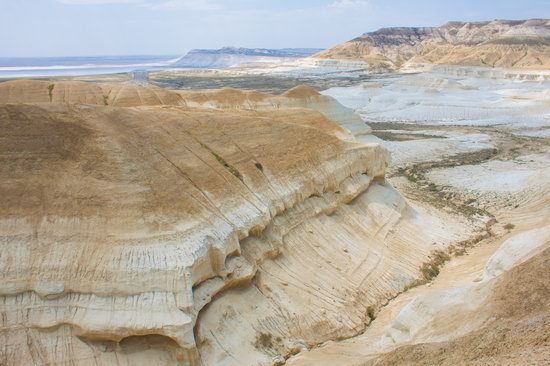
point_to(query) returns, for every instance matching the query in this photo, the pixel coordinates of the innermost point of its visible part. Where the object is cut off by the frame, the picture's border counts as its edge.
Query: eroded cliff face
(167, 234)
(499, 43)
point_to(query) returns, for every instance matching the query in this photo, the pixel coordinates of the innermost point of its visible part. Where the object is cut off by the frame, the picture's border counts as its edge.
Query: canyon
(394, 210)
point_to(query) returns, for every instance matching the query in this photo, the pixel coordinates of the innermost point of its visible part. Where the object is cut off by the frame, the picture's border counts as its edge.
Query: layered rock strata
(500, 43)
(167, 234)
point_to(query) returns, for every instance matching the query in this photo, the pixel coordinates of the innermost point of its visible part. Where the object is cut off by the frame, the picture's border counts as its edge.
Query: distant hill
(232, 56)
(498, 43)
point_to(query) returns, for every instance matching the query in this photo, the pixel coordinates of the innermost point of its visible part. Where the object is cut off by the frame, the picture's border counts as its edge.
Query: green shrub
(50, 91)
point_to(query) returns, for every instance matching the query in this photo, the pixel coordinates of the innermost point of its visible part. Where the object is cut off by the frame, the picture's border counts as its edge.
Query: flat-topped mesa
(233, 56)
(500, 43)
(127, 221)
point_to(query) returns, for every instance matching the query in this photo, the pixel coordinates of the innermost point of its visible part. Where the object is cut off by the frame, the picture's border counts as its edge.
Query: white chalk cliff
(144, 226)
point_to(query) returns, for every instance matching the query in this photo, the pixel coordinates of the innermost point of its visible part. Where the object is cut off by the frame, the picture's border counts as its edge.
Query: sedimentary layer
(499, 43)
(151, 231)
(112, 217)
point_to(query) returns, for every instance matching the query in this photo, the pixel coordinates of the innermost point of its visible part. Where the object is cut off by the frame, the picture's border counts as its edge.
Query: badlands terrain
(363, 219)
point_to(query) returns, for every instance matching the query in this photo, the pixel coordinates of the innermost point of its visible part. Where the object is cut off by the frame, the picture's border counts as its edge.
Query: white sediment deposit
(439, 100)
(124, 217)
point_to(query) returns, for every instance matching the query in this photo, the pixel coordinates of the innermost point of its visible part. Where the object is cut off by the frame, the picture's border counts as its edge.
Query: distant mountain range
(499, 43)
(232, 56)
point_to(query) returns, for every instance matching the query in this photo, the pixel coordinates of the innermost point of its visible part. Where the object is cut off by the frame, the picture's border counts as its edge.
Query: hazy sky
(124, 27)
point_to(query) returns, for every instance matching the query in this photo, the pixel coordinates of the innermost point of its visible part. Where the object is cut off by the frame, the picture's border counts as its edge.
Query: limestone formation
(147, 231)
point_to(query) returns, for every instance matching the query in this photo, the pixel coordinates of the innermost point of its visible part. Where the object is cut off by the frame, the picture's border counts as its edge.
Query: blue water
(15, 67)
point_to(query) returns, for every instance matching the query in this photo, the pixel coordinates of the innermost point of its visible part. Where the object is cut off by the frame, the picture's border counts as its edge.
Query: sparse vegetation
(390, 136)
(264, 340)
(267, 84)
(509, 226)
(371, 313)
(270, 344)
(225, 164)
(431, 269)
(440, 196)
(229, 167)
(50, 91)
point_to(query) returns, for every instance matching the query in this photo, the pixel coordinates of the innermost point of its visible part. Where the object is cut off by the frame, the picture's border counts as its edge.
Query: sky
(44, 28)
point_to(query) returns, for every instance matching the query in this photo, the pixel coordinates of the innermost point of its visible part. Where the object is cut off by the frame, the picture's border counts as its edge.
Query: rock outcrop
(499, 43)
(147, 231)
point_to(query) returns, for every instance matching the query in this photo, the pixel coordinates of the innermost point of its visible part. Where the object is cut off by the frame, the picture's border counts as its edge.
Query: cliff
(499, 43)
(162, 232)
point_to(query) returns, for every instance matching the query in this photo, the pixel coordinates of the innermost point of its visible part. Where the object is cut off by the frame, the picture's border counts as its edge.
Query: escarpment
(500, 43)
(168, 234)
